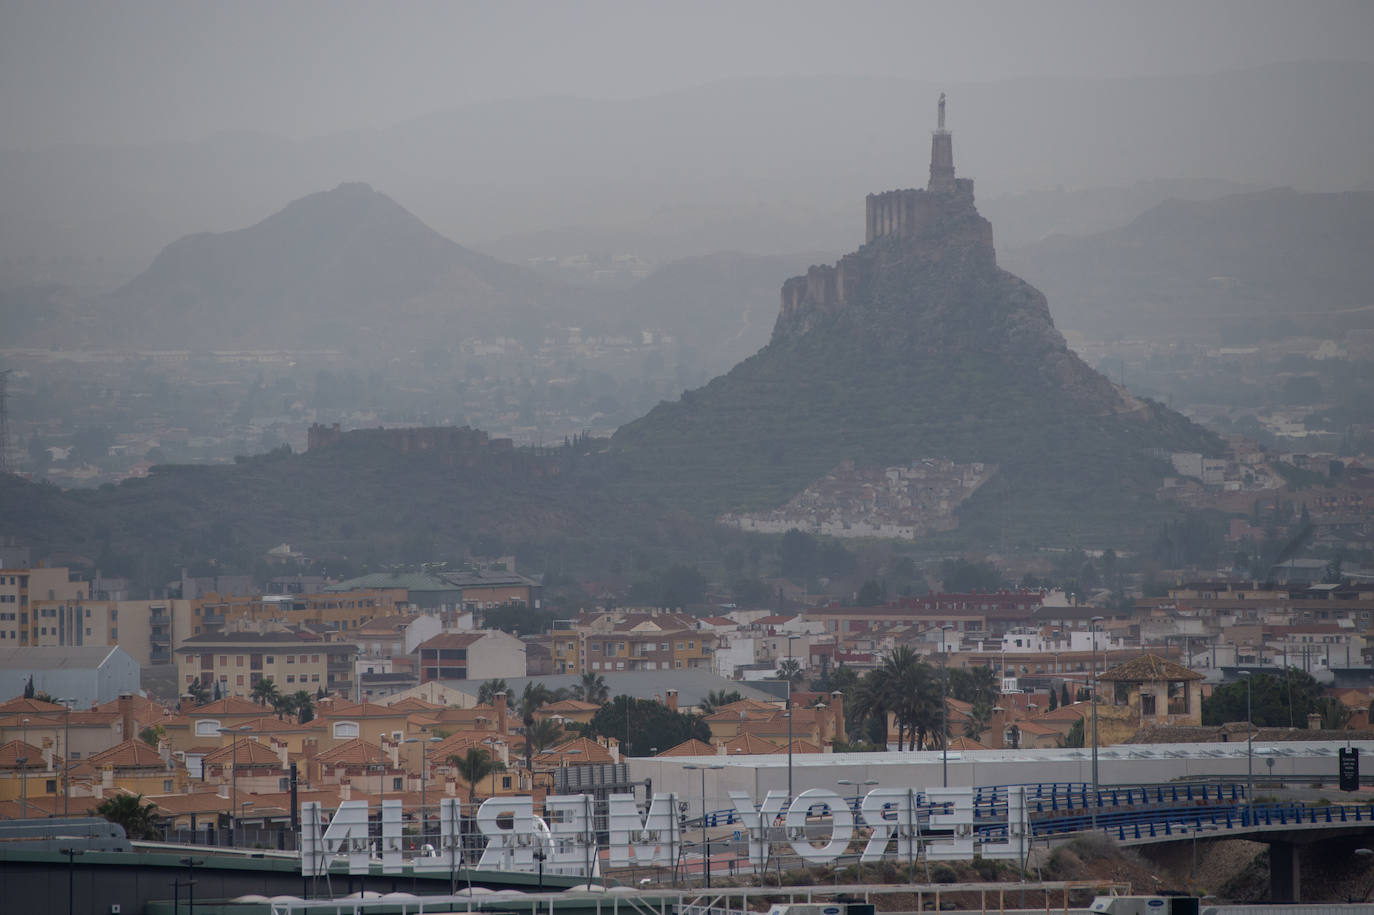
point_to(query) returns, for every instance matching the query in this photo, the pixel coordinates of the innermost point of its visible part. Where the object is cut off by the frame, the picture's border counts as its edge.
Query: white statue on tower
(941, 123)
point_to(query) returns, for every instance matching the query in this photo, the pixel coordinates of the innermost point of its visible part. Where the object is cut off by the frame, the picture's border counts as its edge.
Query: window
(290, 659)
(271, 660)
(223, 660)
(238, 661)
(50, 786)
(505, 781)
(396, 783)
(238, 681)
(166, 785)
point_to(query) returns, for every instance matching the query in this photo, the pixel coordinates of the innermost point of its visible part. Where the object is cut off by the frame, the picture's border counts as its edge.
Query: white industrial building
(90, 675)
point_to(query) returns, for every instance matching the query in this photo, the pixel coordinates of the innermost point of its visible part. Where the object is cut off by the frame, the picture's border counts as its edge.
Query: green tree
(790, 669)
(474, 766)
(152, 734)
(534, 697)
(716, 699)
(642, 725)
(1335, 715)
(871, 702)
(980, 719)
(1269, 700)
(871, 594)
(1064, 693)
(197, 693)
(544, 733)
(265, 692)
(140, 820)
(486, 693)
(304, 706)
(592, 688)
(1075, 736)
(1054, 699)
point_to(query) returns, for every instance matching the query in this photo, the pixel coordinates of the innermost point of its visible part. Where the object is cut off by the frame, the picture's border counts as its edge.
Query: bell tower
(941, 155)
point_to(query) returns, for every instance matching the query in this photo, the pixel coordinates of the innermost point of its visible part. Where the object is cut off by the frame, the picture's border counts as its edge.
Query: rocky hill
(1276, 261)
(915, 346)
(336, 267)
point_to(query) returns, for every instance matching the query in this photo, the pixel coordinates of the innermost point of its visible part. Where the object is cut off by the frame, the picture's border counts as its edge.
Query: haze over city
(624, 405)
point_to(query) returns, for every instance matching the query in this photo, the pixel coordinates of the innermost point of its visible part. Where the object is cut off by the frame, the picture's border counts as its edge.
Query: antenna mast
(5, 466)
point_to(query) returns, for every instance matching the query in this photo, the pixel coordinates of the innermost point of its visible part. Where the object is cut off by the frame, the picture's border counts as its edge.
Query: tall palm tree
(717, 699)
(140, 820)
(592, 688)
(486, 693)
(544, 733)
(265, 691)
(534, 697)
(473, 766)
(870, 699)
(305, 705)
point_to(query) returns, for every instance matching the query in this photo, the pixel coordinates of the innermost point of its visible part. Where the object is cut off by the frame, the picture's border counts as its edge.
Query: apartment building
(20, 588)
(294, 659)
(143, 628)
(340, 612)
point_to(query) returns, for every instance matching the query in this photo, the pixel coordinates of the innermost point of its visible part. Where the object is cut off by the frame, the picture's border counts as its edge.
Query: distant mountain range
(765, 166)
(1275, 262)
(335, 268)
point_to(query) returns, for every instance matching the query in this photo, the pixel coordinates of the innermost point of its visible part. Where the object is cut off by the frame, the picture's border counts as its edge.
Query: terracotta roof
(690, 747)
(577, 752)
(571, 705)
(131, 754)
(451, 640)
(1148, 668)
(342, 708)
(21, 706)
(414, 704)
(230, 705)
(1071, 712)
(356, 752)
(965, 743)
(249, 753)
(1035, 727)
(144, 709)
(749, 744)
(11, 751)
(800, 746)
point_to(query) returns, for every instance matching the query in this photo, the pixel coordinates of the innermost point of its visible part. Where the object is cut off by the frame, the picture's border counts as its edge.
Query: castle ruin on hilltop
(916, 215)
(908, 211)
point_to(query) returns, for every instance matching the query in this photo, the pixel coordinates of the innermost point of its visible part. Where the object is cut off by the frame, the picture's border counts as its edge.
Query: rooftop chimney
(499, 703)
(671, 700)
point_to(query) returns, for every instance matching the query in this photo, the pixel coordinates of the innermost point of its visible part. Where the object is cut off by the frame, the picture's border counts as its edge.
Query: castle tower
(941, 155)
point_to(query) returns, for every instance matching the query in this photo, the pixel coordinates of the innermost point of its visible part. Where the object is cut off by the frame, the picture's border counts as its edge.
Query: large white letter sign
(346, 835)
(758, 820)
(889, 810)
(573, 845)
(450, 849)
(391, 836)
(509, 849)
(841, 825)
(958, 819)
(652, 840)
(1014, 846)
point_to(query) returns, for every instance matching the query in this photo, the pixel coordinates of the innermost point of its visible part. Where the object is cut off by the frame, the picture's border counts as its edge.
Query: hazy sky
(136, 71)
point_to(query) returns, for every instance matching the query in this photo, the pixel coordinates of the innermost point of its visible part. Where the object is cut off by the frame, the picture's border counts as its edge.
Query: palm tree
(486, 693)
(980, 719)
(284, 705)
(592, 688)
(305, 705)
(790, 669)
(140, 820)
(871, 700)
(265, 692)
(473, 766)
(535, 696)
(544, 733)
(717, 699)
(1334, 713)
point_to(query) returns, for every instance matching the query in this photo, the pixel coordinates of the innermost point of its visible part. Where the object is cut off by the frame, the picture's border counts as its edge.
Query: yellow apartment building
(294, 659)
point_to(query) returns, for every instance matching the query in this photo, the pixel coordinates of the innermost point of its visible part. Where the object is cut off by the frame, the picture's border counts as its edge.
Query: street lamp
(424, 778)
(1249, 747)
(234, 781)
(71, 854)
(67, 757)
(24, 774)
(790, 639)
(705, 844)
(859, 861)
(944, 709)
(191, 865)
(1096, 798)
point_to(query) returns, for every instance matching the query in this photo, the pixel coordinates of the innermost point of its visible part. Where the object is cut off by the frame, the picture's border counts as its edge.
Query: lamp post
(859, 860)
(191, 865)
(1093, 697)
(790, 639)
(944, 709)
(1249, 747)
(67, 757)
(24, 774)
(424, 778)
(71, 854)
(234, 782)
(705, 844)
